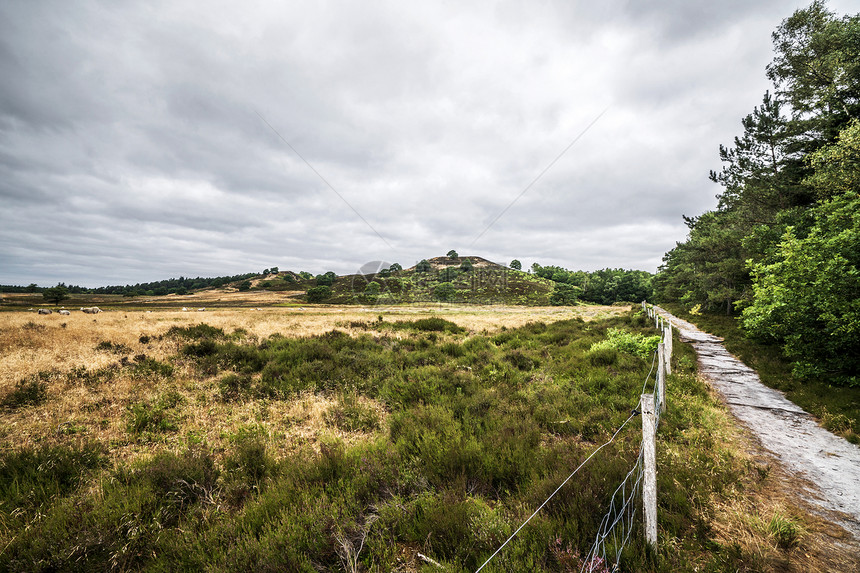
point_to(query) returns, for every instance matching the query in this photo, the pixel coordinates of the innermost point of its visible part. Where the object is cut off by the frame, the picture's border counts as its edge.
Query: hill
(471, 280)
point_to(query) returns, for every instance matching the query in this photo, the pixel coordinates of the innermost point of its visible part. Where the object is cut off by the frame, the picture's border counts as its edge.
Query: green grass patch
(31, 391)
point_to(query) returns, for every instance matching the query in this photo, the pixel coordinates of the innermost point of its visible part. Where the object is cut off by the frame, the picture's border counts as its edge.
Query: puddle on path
(829, 462)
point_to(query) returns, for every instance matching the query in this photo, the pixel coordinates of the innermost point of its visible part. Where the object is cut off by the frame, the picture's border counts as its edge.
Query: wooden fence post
(667, 341)
(649, 489)
(661, 376)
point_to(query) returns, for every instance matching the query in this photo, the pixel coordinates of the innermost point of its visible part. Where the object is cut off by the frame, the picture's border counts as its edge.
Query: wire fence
(617, 525)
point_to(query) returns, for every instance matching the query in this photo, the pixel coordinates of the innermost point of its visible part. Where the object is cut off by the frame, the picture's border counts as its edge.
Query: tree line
(782, 248)
(605, 286)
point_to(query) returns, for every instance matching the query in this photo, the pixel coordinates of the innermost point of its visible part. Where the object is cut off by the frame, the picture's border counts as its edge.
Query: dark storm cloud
(143, 141)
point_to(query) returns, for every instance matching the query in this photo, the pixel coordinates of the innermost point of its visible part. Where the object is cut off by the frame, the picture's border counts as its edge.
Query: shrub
(116, 348)
(636, 344)
(318, 293)
(326, 279)
(432, 324)
(150, 368)
(233, 386)
(179, 480)
(32, 391)
(34, 475)
(350, 415)
(197, 332)
(248, 465)
(449, 274)
(155, 416)
(444, 291)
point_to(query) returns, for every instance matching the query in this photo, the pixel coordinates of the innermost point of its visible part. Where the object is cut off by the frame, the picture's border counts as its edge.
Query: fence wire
(617, 525)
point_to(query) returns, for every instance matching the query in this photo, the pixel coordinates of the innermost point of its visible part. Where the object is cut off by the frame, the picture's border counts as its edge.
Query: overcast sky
(143, 141)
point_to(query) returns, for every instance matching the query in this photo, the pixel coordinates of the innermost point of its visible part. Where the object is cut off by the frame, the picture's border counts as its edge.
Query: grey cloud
(131, 131)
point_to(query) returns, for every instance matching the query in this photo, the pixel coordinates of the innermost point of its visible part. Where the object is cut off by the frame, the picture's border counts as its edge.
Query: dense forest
(605, 286)
(782, 248)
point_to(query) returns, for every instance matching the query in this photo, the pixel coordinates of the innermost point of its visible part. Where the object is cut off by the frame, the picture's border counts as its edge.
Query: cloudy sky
(143, 141)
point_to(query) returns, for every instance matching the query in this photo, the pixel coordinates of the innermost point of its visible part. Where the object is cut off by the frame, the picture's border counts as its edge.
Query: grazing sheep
(91, 310)
(46, 311)
(65, 312)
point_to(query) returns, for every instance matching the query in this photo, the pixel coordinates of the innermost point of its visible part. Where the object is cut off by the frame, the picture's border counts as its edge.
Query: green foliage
(817, 67)
(782, 245)
(114, 347)
(808, 298)
(470, 433)
(32, 391)
(56, 294)
(452, 254)
(35, 475)
(466, 266)
(516, 265)
(449, 274)
(248, 466)
(837, 167)
(444, 291)
(244, 286)
(200, 331)
(150, 368)
(326, 279)
(145, 419)
(564, 295)
(318, 293)
(785, 531)
(372, 289)
(423, 266)
(233, 387)
(351, 415)
(605, 286)
(632, 343)
(433, 324)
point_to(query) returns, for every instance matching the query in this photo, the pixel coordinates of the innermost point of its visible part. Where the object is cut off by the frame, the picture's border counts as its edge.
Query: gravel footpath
(829, 462)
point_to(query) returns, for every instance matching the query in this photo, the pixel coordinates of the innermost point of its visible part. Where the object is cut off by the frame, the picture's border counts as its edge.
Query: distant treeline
(605, 286)
(172, 286)
(181, 285)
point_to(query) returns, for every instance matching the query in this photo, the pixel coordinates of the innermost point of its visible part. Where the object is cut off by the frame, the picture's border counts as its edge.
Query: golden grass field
(32, 343)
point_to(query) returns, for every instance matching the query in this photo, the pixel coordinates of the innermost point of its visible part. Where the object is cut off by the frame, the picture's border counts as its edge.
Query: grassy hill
(446, 280)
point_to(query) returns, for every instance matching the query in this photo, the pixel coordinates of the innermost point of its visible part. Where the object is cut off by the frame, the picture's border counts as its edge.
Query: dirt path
(831, 463)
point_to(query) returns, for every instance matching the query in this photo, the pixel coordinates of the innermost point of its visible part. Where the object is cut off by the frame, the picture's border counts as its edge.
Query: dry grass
(742, 517)
(76, 411)
(31, 343)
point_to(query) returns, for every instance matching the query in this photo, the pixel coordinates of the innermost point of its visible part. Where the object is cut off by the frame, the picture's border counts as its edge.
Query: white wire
(601, 536)
(514, 534)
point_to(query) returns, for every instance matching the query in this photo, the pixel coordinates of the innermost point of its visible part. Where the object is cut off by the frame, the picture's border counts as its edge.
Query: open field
(31, 343)
(355, 439)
